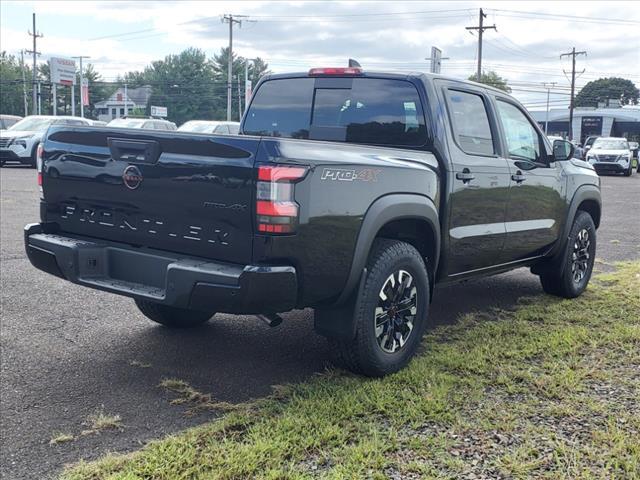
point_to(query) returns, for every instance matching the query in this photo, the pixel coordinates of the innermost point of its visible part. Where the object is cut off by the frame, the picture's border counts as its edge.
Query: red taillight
(39, 153)
(276, 209)
(335, 71)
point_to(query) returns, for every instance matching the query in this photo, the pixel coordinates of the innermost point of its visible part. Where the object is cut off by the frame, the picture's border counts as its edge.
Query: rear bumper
(163, 277)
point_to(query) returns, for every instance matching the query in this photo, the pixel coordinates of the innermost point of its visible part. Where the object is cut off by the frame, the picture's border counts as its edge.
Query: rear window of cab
(369, 111)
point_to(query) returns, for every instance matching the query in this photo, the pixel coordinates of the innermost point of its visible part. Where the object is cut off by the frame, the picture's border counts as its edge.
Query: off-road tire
(560, 281)
(172, 317)
(363, 354)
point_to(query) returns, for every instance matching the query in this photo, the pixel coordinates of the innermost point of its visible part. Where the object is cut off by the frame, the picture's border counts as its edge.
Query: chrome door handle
(518, 177)
(466, 176)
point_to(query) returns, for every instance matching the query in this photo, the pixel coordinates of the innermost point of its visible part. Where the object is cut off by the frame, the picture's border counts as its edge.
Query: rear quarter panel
(342, 183)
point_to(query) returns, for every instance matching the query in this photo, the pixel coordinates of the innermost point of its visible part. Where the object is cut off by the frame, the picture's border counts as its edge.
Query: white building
(115, 105)
(601, 121)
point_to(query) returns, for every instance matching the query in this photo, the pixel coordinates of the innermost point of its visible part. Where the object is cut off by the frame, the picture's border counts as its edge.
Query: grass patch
(59, 438)
(197, 401)
(547, 391)
(99, 421)
(139, 364)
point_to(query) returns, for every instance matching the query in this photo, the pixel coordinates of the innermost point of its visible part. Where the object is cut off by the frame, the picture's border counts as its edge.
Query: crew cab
(354, 193)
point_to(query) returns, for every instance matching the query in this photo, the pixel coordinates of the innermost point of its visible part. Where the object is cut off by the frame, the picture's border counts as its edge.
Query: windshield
(32, 124)
(127, 122)
(198, 127)
(602, 144)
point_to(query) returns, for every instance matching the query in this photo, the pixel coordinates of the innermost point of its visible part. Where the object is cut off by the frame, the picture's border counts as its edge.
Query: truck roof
(390, 74)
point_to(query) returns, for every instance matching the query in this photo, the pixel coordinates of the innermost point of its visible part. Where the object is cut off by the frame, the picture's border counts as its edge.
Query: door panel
(536, 204)
(479, 184)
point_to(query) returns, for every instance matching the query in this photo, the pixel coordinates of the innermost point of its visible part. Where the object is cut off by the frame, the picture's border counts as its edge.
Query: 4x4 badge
(132, 177)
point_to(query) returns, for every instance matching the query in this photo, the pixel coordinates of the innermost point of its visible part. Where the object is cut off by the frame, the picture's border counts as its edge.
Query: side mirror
(562, 150)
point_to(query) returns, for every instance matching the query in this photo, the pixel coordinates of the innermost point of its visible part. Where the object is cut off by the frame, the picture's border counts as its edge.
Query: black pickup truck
(351, 192)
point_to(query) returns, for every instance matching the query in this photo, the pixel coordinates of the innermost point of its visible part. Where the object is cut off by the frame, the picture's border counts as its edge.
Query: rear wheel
(390, 312)
(172, 317)
(572, 275)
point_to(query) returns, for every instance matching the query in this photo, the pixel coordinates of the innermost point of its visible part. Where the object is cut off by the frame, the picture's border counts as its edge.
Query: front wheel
(629, 170)
(172, 317)
(572, 275)
(390, 311)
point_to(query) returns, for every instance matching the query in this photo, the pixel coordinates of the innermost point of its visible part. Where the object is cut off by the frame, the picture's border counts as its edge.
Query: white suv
(20, 141)
(611, 155)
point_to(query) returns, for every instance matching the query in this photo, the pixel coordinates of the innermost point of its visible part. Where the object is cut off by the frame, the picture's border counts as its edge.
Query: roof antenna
(354, 63)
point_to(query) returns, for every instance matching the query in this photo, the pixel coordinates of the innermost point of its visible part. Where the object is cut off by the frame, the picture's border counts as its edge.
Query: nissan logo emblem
(132, 177)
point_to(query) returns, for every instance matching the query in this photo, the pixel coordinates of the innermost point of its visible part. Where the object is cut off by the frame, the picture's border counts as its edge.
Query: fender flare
(555, 256)
(382, 211)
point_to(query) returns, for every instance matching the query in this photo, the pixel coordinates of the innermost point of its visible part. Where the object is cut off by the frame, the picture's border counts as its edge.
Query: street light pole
(546, 121)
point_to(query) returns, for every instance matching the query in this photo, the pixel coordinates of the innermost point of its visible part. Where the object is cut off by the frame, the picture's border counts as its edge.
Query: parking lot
(67, 351)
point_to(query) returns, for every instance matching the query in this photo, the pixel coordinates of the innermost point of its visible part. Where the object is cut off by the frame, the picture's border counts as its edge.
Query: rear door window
(371, 111)
(470, 120)
(281, 108)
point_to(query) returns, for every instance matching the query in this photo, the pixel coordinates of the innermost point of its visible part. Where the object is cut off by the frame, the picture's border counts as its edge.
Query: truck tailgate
(179, 192)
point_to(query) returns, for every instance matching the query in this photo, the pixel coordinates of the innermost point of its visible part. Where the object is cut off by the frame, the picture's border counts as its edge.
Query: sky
(122, 36)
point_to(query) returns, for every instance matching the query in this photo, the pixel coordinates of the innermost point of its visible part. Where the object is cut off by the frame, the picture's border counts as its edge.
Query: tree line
(190, 84)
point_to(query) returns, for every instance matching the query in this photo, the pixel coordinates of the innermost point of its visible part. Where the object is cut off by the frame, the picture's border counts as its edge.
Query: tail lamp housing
(277, 212)
(39, 153)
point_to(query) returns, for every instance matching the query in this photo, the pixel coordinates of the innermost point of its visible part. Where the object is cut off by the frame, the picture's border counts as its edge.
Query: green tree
(492, 79)
(607, 88)
(11, 93)
(257, 68)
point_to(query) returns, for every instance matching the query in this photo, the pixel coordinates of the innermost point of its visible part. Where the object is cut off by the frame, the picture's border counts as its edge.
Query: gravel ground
(68, 351)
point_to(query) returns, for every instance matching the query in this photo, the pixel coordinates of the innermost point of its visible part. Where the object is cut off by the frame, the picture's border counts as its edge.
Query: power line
(556, 16)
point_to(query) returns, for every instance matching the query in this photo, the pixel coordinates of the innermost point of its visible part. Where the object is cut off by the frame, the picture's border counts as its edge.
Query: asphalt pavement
(66, 351)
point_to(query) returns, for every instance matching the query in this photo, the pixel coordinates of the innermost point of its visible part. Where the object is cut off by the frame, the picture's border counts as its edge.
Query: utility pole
(35, 52)
(481, 28)
(548, 86)
(239, 100)
(231, 19)
(126, 112)
(24, 84)
(39, 97)
(572, 54)
(80, 57)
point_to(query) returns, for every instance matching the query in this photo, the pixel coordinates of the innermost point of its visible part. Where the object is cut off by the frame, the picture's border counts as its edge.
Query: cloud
(382, 35)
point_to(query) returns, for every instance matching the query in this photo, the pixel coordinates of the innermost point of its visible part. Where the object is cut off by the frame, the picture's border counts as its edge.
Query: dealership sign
(158, 111)
(63, 71)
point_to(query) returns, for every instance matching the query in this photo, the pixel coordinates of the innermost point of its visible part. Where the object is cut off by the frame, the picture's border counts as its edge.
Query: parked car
(341, 194)
(20, 141)
(611, 155)
(588, 143)
(208, 126)
(143, 123)
(7, 120)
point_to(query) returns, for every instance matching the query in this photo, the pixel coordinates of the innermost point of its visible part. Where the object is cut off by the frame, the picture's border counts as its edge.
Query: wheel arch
(407, 217)
(587, 198)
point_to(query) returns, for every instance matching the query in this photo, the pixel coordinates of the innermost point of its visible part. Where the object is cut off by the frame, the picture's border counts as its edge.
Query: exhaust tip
(271, 319)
